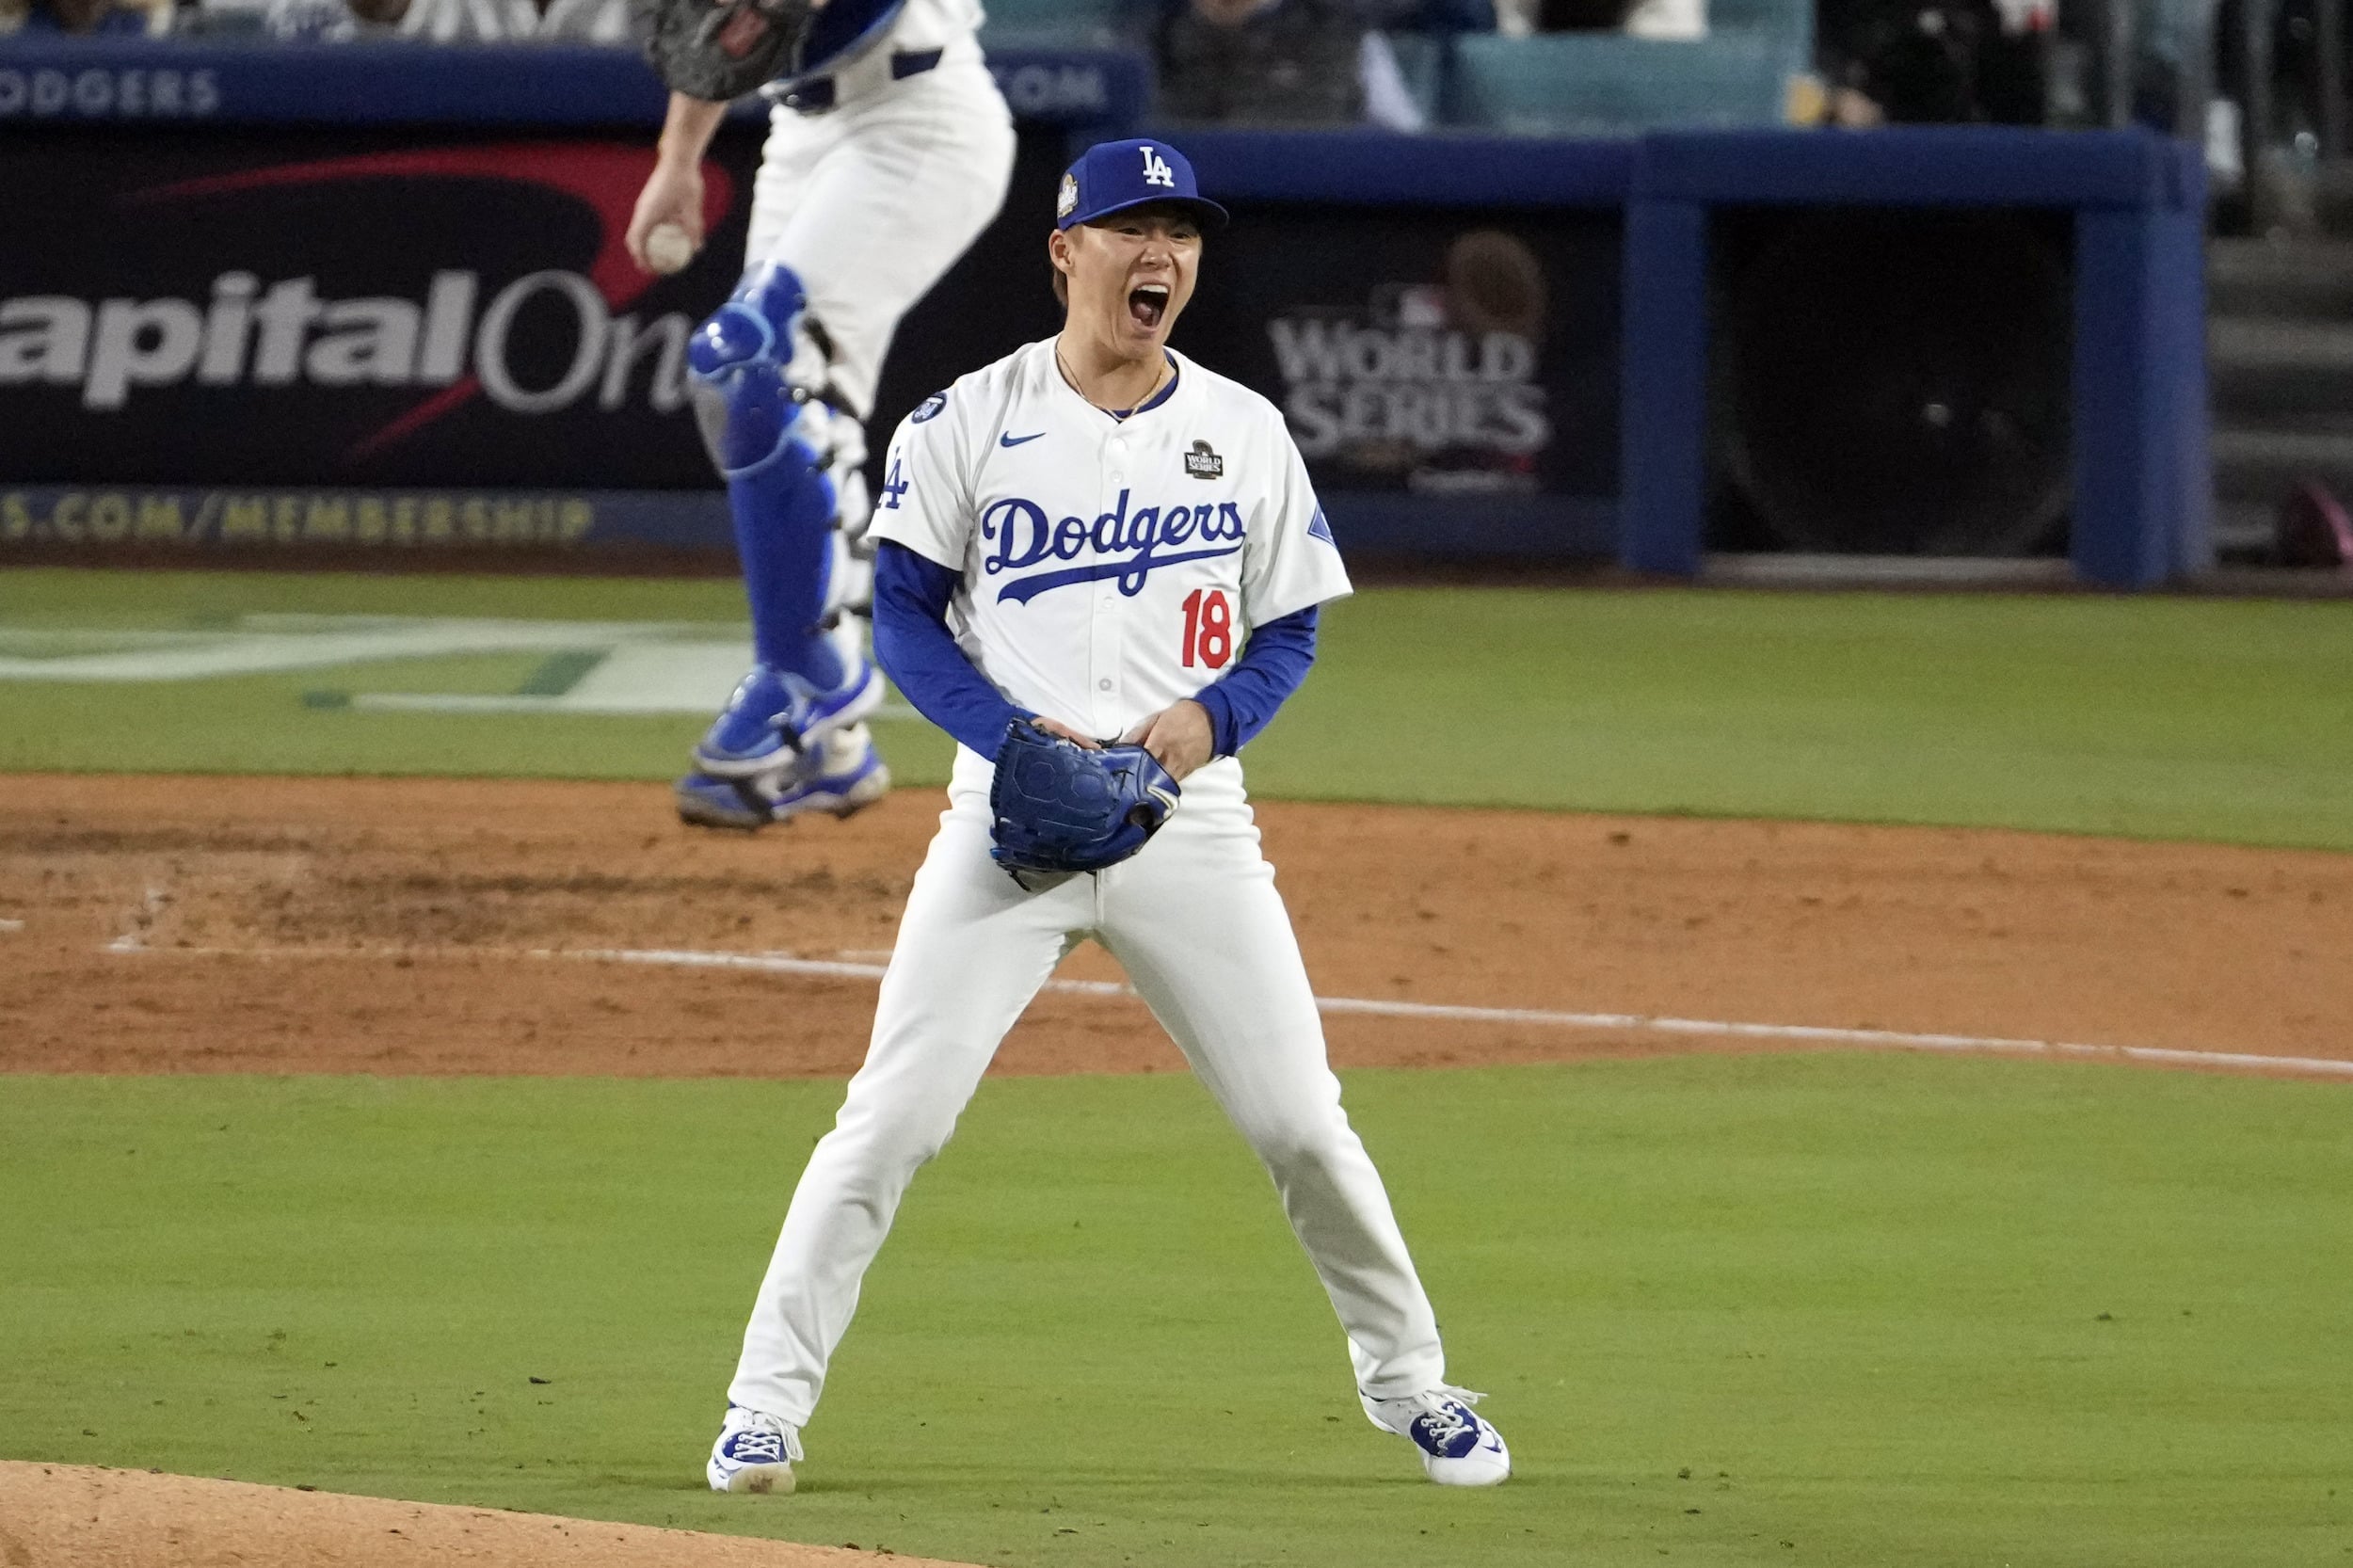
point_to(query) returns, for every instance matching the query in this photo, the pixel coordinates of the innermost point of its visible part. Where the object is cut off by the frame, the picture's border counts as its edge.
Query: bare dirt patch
(79, 1516)
(219, 925)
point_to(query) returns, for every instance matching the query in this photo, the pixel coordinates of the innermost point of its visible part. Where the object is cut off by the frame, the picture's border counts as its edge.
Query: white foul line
(778, 963)
(1900, 1039)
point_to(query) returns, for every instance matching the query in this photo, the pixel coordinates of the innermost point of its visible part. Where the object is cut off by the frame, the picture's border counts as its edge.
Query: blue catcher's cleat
(850, 778)
(754, 1453)
(774, 717)
(1458, 1447)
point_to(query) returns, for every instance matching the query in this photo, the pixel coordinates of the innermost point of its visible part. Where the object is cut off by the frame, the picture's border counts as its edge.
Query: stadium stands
(1086, 23)
(1586, 84)
(1603, 83)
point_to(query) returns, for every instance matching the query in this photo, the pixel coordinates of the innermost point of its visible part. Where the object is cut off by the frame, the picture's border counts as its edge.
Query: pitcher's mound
(80, 1516)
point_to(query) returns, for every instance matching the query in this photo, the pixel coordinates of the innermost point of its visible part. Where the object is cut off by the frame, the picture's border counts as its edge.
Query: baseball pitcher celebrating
(1096, 537)
(889, 152)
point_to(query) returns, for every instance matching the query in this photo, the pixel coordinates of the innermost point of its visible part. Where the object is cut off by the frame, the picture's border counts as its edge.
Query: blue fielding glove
(1060, 808)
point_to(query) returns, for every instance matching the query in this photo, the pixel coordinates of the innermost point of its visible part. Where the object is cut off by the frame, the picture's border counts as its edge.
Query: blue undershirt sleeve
(915, 649)
(1273, 663)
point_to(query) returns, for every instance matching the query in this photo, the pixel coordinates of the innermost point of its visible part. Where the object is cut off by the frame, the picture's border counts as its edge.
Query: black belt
(816, 95)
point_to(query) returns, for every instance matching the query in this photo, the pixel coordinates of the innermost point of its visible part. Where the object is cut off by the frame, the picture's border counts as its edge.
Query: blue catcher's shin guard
(767, 434)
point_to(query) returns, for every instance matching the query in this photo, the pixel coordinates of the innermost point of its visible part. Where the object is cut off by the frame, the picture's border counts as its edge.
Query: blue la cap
(1112, 176)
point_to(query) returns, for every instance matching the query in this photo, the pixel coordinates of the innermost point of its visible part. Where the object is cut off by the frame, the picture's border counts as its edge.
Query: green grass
(2164, 718)
(271, 723)
(1882, 1310)
(2153, 717)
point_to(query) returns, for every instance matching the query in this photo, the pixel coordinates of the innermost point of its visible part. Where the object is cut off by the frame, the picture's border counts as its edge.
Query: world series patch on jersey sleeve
(1111, 567)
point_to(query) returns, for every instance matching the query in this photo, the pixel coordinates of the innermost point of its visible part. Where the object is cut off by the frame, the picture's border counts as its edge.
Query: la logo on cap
(1066, 202)
(1156, 170)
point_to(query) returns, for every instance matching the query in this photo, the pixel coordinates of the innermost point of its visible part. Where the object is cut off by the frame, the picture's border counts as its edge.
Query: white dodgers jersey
(1111, 567)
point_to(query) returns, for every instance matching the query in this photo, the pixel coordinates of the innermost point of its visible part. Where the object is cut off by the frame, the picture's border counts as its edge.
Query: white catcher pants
(869, 203)
(1197, 924)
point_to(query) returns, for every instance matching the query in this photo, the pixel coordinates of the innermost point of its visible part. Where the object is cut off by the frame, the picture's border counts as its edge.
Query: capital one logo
(286, 334)
(455, 341)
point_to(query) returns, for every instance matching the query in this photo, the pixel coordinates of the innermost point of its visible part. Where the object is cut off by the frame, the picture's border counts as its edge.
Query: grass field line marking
(493, 702)
(831, 968)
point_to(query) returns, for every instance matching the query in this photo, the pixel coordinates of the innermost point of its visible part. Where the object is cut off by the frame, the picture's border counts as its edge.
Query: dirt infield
(79, 1516)
(232, 924)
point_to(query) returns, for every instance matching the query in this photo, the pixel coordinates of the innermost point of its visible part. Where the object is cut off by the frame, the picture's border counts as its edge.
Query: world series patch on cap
(1113, 176)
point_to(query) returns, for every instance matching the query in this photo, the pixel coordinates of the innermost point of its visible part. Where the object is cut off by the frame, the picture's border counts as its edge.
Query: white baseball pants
(1197, 923)
(869, 203)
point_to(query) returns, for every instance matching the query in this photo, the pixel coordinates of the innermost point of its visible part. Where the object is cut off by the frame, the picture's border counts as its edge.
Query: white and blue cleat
(776, 717)
(846, 777)
(1458, 1445)
(754, 1453)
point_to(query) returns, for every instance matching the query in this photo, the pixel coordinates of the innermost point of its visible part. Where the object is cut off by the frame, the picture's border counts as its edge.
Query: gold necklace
(1071, 380)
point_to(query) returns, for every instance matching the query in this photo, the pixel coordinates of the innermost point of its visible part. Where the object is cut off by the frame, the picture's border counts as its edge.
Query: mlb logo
(1202, 463)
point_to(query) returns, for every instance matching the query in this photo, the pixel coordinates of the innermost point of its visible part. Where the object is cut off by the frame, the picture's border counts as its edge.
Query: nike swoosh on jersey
(1004, 440)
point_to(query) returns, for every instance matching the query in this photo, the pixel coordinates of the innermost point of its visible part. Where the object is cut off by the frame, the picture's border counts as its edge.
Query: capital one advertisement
(315, 309)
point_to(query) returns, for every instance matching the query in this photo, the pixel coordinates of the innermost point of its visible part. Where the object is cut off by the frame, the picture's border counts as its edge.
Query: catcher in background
(889, 150)
(1096, 537)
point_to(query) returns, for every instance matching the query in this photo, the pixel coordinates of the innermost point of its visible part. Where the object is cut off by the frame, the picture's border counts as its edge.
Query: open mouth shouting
(1146, 304)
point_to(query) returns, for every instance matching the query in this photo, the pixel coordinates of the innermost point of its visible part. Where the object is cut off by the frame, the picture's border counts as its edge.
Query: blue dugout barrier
(2142, 474)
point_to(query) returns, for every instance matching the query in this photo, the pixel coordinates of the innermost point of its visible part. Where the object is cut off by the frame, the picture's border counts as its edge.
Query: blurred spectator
(2296, 62)
(84, 16)
(1934, 61)
(1678, 19)
(1430, 16)
(311, 21)
(1280, 62)
(1520, 18)
(1669, 18)
(432, 21)
(503, 21)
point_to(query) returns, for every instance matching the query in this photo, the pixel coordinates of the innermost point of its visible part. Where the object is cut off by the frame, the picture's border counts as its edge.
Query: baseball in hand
(669, 247)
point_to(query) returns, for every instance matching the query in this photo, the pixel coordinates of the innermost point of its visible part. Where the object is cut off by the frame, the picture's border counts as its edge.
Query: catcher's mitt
(719, 50)
(1060, 808)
